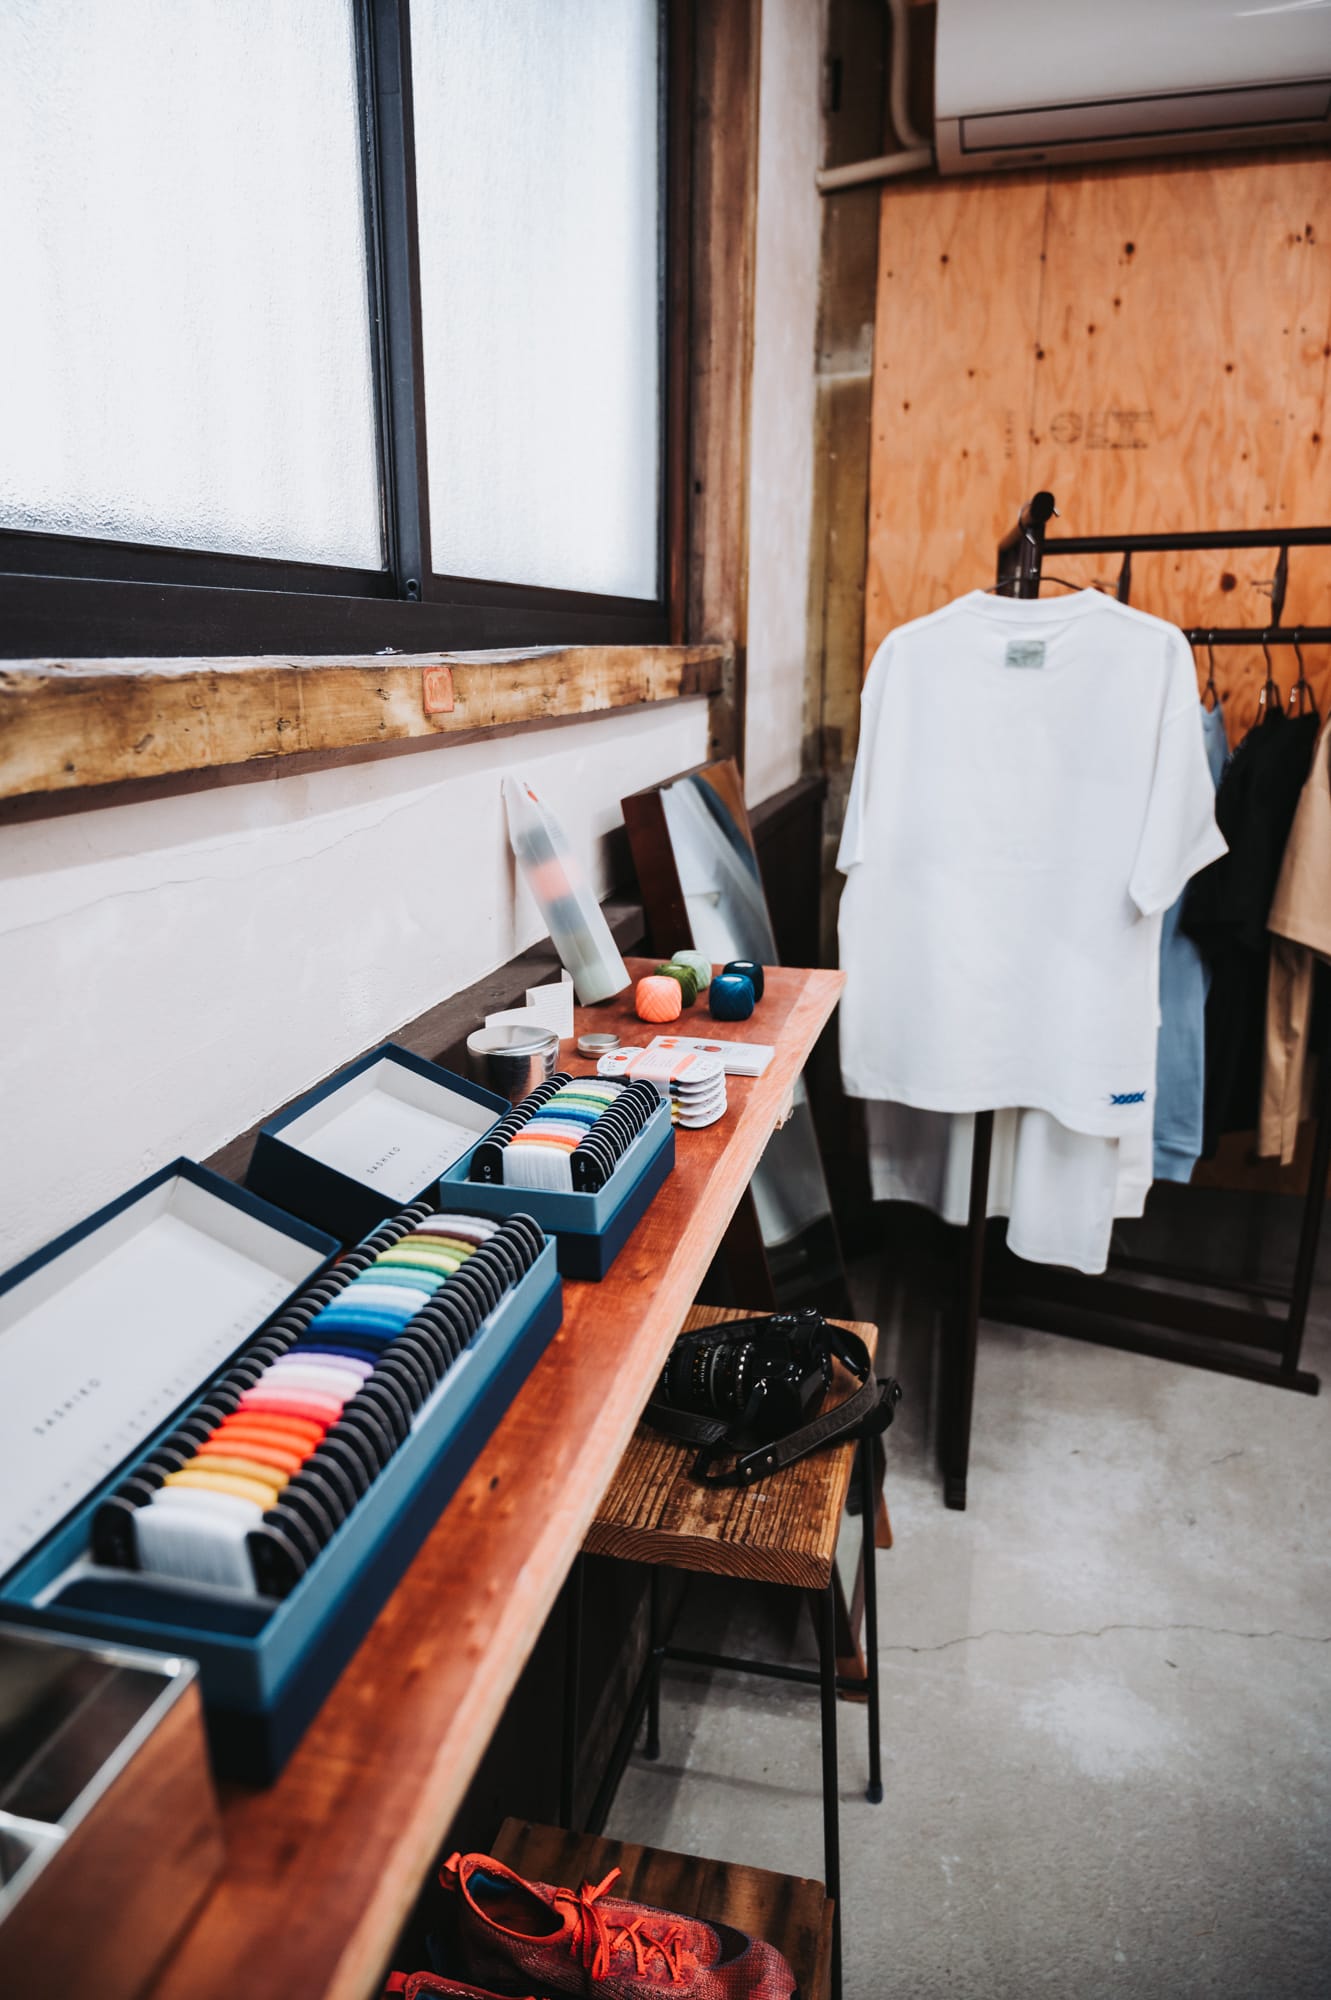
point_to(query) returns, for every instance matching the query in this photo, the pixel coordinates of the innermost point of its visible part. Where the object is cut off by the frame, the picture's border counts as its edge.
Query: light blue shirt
(1180, 1080)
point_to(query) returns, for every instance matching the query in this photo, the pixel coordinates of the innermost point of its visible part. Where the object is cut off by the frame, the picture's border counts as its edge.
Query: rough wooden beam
(70, 724)
(727, 38)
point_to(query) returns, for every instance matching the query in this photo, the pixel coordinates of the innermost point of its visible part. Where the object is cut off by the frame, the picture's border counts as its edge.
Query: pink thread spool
(658, 999)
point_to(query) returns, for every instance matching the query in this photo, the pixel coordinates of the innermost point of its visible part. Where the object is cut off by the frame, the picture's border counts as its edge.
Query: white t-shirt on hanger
(1031, 794)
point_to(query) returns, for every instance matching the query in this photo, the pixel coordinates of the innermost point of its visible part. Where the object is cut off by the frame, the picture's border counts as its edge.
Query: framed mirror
(701, 885)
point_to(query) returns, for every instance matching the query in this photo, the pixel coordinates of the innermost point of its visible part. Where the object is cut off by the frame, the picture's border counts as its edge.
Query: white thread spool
(197, 1537)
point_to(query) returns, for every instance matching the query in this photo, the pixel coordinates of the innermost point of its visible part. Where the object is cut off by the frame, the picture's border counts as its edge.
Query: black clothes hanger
(1270, 701)
(1012, 581)
(1210, 693)
(1301, 692)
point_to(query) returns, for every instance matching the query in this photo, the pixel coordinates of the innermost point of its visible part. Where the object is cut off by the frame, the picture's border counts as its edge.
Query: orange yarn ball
(658, 999)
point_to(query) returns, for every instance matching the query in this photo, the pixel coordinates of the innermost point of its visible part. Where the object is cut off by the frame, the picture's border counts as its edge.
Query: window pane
(538, 189)
(185, 352)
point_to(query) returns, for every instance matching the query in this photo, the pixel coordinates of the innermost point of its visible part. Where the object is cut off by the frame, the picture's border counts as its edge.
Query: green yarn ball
(687, 977)
(700, 963)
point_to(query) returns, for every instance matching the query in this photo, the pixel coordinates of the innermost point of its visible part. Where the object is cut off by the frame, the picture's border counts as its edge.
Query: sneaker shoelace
(596, 1939)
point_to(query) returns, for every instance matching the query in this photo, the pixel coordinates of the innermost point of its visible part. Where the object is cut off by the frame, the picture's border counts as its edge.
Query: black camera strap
(865, 1414)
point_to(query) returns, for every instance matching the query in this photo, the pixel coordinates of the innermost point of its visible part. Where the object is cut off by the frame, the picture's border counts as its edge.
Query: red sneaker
(586, 1942)
(413, 1984)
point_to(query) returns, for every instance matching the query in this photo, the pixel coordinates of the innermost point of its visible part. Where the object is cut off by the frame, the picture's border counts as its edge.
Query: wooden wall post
(724, 202)
(854, 87)
(854, 128)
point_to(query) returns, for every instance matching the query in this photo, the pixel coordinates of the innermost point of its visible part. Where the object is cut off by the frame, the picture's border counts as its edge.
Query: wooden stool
(786, 1910)
(782, 1531)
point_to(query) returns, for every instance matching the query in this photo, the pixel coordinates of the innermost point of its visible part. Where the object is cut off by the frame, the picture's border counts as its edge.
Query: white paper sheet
(98, 1347)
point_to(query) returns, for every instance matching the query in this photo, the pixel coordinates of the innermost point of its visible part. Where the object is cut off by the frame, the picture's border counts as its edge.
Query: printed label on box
(387, 1143)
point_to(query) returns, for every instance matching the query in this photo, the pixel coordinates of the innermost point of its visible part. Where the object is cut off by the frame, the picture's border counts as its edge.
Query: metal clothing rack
(1175, 1325)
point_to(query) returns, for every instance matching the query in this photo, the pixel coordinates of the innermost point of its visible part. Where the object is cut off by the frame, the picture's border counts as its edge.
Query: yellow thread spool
(240, 1487)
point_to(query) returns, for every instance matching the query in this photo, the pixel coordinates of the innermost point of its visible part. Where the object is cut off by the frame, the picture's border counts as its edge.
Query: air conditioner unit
(1025, 83)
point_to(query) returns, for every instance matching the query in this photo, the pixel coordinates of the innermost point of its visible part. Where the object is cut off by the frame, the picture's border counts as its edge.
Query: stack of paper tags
(694, 1084)
(737, 1058)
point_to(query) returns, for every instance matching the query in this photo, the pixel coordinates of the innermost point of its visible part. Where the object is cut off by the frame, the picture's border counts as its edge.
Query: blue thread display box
(265, 1665)
(591, 1229)
(370, 1141)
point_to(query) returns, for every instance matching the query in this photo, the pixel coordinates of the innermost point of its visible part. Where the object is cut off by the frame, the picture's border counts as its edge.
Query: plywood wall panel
(1151, 343)
(1153, 335)
(953, 380)
(1305, 477)
(1305, 472)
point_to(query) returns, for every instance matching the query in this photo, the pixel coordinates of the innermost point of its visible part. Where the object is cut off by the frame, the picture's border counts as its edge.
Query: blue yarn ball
(730, 997)
(749, 969)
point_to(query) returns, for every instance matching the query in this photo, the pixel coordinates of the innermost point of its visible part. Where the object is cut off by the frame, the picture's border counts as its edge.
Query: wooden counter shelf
(323, 1867)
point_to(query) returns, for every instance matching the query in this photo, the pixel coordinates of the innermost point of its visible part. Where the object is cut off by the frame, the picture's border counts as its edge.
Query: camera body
(767, 1375)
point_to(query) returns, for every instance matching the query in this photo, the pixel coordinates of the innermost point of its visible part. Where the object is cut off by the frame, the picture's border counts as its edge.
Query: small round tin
(597, 1045)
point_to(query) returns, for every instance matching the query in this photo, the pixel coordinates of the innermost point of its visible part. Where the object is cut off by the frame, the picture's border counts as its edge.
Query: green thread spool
(700, 963)
(687, 977)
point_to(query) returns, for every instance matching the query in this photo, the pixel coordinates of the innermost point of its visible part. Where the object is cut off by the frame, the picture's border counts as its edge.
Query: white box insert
(390, 1128)
(101, 1343)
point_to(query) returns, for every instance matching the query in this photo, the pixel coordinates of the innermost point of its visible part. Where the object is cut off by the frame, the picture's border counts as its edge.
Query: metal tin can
(512, 1060)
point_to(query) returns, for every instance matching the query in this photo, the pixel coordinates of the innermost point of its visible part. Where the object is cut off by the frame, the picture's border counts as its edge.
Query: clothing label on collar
(1024, 653)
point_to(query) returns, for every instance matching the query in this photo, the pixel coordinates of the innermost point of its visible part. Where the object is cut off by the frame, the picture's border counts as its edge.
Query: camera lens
(725, 1376)
(709, 1374)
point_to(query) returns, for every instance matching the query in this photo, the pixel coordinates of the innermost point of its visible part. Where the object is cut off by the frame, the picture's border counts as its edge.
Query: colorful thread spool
(687, 977)
(730, 997)
(748, 968)
(260, 1475)
(658, 999)
(572, 1142)
(701, 966)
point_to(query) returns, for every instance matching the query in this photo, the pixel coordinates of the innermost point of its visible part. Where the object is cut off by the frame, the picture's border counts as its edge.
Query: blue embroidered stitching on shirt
(1128, 1097)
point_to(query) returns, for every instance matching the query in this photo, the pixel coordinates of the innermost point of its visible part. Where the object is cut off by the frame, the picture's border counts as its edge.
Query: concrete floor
(1106, 1692)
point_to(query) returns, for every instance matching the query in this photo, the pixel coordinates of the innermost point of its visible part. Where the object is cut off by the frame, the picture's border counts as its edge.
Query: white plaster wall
(781, 446)
(172, 971)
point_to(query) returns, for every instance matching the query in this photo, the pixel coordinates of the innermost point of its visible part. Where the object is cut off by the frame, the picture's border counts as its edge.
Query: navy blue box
(370, 1141)
(265, 1666)
(591, 1229)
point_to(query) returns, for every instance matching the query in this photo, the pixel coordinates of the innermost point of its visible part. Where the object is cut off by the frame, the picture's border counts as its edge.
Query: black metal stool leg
(652, 1747)
(824, 1618)
(568, 1753)
(869, 1558)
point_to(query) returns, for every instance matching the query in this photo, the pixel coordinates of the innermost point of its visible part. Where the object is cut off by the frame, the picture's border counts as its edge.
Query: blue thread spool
(749, 969)
(730, 997)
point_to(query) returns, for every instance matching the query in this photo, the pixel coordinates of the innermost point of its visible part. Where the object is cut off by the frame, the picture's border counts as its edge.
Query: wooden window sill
(81, 726)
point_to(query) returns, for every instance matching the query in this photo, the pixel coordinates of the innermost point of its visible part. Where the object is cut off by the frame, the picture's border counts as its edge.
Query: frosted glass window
(185, 348)
(537, 180)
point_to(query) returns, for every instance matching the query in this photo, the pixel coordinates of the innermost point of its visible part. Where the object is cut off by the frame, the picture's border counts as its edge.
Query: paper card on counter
(739, 1058)
(549, 1006)
(553, 1004)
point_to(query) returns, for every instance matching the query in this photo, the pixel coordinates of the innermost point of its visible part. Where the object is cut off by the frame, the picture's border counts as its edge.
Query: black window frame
(75, 596)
